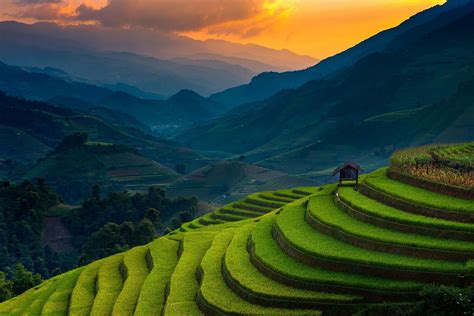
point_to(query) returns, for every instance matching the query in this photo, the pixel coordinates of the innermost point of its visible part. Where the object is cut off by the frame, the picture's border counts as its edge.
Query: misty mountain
(423, 76)
(106, 56)
(267, 84)
(182, 109)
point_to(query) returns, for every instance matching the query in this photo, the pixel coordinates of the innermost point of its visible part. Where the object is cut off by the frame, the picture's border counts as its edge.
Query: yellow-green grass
(251, 207)
(227, 217)
(164, 253)
(377, 209)
(83, 294)
(230, 209)
(289, 194)
(34, 299)
(58, 302)
(291, 222)
(272, 197)
(379, 181)
(255, 199)
(36, 307)
(241, 270)
(215, 292)
(137, 271)
(268, 252)
(184, 286)
(109, 285)
(325, 211)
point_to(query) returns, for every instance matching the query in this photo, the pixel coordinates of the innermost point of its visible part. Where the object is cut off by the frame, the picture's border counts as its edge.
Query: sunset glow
(318, 28)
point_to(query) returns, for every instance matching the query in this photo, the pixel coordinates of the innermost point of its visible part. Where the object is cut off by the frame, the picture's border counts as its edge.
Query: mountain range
(183, 109)
(413, 88)
(267, 84)
(140, 58)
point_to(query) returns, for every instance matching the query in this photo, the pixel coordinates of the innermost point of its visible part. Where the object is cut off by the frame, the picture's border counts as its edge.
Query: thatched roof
(349, 164)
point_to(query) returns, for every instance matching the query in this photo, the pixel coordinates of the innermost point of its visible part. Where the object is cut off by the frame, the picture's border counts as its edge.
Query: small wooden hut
(348, 172)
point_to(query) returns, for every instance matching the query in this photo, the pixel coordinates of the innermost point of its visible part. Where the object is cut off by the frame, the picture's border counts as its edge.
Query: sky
(319, 28)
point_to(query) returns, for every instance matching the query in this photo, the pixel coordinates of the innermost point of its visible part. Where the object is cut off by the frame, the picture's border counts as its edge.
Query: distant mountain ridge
(180, 110)
(137, 58)
(267, 84)
(419, 78)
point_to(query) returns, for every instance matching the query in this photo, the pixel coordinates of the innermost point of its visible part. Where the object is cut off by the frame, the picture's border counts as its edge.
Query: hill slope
(267, 84)
(335, 250)
(73, 171)
(228, 181)
(422, 82)
(48, 125)
(183, 109)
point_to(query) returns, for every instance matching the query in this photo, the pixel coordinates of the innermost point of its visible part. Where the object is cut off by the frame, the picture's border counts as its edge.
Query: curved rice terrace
(307, 251)
(451, 165)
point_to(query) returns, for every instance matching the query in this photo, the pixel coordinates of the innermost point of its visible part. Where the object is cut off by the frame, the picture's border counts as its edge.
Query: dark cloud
(171, 15)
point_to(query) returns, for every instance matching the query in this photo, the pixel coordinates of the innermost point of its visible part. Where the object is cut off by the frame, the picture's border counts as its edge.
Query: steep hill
(307, 251)
(230, 180)
(410, 94)
(267, 84)
(40, 126)
(39, 86)
(182, 109)
(73, 171)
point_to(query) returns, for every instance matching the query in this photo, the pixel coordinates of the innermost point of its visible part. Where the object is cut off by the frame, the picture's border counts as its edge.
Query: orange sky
(321, 28)
(318, 28)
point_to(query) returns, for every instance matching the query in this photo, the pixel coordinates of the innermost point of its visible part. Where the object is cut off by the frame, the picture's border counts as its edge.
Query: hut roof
(349, 164)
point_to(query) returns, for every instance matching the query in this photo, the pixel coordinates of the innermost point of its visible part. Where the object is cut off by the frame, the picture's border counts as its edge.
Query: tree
(96, 193)
(154, 216)
(145, 232)
(72, 141)
(24, 279)
(6, 288)
(180, 168)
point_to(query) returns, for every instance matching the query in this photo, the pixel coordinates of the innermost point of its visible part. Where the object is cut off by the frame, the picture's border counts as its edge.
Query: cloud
(30, 2)
(171, 15)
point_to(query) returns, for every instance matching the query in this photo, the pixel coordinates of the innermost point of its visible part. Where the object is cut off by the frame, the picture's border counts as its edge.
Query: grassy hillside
(304, 251)
(228, 181)
(73, 171)
(36, 127)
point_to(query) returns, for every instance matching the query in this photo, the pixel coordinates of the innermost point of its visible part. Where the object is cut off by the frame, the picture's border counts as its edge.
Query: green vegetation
(76, 165)
(184, 285)
(136, 270)
(269, 253)
(380, 210)
(379, 181)
(110, 280)
(22, 213)
(323, 209)
(58, 302)
(448, 164)
(300, 235)
(83, 294)
(242, 271)
(215, 291)
(164, 254)
(288, 252)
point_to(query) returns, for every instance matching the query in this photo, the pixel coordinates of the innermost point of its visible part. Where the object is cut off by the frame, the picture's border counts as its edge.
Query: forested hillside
(375, 249)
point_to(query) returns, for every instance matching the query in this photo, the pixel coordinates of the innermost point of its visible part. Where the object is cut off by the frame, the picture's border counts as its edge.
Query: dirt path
(56, 235)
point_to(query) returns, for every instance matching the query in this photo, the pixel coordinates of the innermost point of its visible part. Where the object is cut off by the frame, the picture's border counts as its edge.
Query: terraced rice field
(307, 251)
